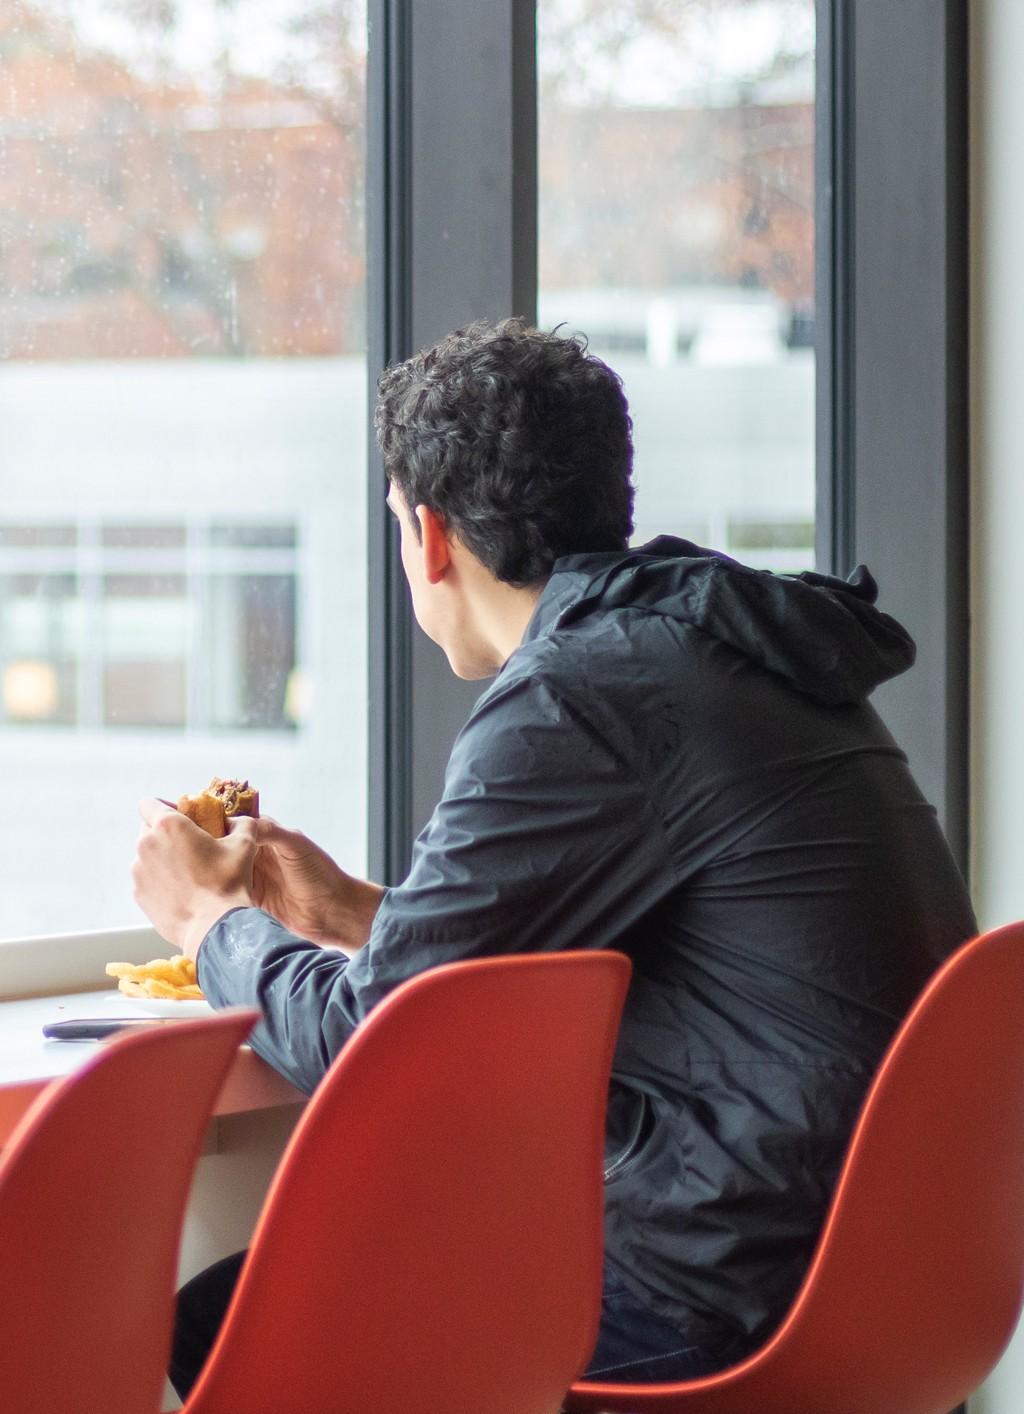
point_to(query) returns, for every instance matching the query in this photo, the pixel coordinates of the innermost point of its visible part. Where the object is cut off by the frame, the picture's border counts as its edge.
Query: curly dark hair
(520, 440)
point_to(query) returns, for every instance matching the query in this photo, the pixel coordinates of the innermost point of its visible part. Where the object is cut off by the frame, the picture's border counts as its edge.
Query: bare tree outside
(171, 193)
(688, 120)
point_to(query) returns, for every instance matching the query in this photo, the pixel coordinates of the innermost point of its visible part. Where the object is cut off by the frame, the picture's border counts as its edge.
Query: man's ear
(434, 544)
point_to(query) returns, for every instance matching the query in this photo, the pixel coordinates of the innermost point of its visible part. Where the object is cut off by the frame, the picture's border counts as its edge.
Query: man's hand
(301, 886)
(184, 879)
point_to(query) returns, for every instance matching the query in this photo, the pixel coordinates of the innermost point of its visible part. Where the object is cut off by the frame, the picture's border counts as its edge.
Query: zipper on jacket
(627, 1156)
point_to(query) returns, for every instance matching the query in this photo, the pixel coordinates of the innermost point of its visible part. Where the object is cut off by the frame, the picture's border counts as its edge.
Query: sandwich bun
(222, 798)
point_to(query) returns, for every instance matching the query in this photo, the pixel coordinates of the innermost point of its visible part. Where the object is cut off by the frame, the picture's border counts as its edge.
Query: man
(676, 758)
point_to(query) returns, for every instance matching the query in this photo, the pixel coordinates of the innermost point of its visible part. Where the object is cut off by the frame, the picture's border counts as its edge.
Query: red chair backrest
(93, 1185)
(432, 1239)
(916, 1285)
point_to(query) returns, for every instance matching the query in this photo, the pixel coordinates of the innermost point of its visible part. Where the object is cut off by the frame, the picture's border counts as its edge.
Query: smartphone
(94, 1028)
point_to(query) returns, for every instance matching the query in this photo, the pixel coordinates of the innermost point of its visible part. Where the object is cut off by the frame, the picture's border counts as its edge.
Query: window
(173, 625)
(185, 330)
(183, 454)
(676, 213)
(40, 631)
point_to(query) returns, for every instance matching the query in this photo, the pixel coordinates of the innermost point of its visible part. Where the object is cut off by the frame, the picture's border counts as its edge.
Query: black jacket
(679, 761)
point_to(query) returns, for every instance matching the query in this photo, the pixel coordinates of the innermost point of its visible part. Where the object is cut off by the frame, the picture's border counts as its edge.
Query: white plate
(160, 1006)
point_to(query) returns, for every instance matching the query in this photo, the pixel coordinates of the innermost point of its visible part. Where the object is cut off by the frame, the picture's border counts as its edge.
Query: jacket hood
(822, 634)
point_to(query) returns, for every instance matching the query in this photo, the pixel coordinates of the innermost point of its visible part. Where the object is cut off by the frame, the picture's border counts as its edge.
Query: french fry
(172, 978)
(179, 970)
(156, 987)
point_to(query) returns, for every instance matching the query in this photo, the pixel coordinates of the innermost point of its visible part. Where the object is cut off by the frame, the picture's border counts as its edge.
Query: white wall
(997, 540)
(228, 1191)
(997, 415)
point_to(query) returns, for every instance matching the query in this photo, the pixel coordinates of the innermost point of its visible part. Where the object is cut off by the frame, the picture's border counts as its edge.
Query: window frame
(891, 100)
(892, 351)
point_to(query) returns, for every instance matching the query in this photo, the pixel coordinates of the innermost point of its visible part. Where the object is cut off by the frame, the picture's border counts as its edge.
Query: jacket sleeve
(544, 839)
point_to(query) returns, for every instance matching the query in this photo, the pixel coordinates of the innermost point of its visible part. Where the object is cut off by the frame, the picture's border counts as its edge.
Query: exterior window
(40, 637)
(183, 454)
(145, 632)
(254, 678)
(677, 231)
(202, 635)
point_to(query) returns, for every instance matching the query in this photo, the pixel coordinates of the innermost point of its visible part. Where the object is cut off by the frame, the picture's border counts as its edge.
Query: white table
(28, 1061)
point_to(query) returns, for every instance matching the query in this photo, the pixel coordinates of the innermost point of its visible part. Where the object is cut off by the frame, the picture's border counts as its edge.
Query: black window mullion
(834, 266)
(388, 338)
(892, 389)
(451, 238)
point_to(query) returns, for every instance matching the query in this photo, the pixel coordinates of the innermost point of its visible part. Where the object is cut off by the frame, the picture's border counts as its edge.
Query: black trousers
(633, 1345)
(202, 1303)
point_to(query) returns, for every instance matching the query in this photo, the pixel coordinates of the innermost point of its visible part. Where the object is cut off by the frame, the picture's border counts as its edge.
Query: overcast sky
(727, 43)
(256, 32)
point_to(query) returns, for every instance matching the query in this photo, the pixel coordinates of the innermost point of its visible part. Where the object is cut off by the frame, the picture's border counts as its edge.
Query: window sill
(72, 962)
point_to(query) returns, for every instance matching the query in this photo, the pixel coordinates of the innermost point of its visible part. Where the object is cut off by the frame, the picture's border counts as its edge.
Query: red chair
(916, 1284)
(431, 1243)
(93, 1186)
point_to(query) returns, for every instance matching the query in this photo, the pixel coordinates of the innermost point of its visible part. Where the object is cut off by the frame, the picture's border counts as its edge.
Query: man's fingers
(243, 827)
(151, 809)
(264, 829)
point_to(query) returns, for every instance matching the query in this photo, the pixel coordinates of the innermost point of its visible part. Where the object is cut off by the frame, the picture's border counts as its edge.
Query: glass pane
(254, 536)
(145, 634)
(251, 651)
(38, 536)
(40, 640)
(677, 233)
(145, 537)
(182, 455)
